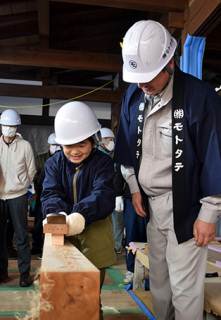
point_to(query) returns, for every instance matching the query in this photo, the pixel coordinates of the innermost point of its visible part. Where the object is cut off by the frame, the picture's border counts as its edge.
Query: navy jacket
(202, 108)
(94, 186)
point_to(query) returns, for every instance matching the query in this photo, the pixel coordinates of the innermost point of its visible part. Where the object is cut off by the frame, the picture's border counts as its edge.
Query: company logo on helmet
(132, 64)
(168, 48)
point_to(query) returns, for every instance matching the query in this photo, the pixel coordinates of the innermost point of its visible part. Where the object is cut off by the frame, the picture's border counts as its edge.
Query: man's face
(109, 139)
(158, 83)
(77, 152)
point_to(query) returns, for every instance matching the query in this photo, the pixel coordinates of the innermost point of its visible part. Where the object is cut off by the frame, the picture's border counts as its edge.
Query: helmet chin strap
(170, 72)
(97, 137)
(159, 95)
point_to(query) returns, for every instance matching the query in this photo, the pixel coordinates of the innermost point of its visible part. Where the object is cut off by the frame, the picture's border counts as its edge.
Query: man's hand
(138, 204)
(203, 232)
(76, 223)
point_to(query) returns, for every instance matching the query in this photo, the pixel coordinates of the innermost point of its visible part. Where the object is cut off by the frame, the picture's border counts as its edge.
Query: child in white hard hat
(79, 183)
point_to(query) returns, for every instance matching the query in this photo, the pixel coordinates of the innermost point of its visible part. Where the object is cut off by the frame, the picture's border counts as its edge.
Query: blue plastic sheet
(192, 60)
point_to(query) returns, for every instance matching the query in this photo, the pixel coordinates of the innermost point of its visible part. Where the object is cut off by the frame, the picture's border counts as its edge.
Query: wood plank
(200, 18)
(212, 291)
(50, 58)
(69, 282)
(176, 20)
(49, 121)
(214, 252)
(148, 5)
(145, 297)
(198, 13)
(117, 300)
(143, 258)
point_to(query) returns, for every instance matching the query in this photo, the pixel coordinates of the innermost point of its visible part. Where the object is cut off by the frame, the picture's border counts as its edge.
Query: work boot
(25, 279)
(3, 274)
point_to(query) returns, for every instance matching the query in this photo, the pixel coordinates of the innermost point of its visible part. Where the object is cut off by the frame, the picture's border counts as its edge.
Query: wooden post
(69, 284)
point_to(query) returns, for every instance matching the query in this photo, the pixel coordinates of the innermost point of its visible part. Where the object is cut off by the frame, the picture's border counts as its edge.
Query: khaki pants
(177, 272)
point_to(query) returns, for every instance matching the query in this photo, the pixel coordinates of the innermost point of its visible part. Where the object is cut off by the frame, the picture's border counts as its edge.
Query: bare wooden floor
(116, 301)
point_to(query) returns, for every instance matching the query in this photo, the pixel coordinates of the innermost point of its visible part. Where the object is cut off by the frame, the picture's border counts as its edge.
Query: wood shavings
(110, 308)
(37, 301)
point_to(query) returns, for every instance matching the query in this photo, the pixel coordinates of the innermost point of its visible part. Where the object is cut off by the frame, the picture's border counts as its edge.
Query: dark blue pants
(37, 231)
(135, 230)
(18, 208)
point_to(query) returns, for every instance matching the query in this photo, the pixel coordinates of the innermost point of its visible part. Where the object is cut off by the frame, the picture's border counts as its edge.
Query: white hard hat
(51, 139)
(10, 117)
(107, 133)
(74, 122)
(147, 49)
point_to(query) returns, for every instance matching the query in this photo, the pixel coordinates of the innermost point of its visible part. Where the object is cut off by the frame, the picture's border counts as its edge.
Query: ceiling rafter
(61, 59)
(145, 5)
(73, 45)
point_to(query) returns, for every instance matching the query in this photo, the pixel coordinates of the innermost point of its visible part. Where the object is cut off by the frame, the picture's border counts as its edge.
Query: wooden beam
(143, 5)
(60, 93)
(61, 59)
(69, 283)
(201, 17)
(176, 20)
(49, 121)
(43, 22)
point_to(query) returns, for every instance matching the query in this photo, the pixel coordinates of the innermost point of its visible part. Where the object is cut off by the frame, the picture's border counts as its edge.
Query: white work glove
(45, 221)
(119, 204)
(76, 223)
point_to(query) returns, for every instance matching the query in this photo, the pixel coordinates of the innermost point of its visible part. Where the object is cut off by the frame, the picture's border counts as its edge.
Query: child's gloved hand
(45, 221)
(119, 204)
(76, 223)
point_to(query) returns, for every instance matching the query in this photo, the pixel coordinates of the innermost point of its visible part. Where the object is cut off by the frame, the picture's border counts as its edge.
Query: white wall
(38, 135)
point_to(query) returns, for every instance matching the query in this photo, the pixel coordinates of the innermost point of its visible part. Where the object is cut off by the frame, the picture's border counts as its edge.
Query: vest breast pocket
(165, 131)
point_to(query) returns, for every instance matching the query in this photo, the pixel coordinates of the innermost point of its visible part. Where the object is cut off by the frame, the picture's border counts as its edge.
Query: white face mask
(110, 146)
(53, 148)
(9, 132)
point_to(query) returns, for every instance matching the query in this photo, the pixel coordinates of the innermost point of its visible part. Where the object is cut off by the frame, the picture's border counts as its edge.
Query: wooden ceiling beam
(49, 121)
(146, 5)
(59, 92)
(43, 23)
(49, 58)
(176, 20)
(200, 16)
(9, 7)
(28, 41)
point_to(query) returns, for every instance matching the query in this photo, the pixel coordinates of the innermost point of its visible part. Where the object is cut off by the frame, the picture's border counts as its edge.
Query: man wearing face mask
(37, 231)
(107, 143)
(17, 170)
(107, 146)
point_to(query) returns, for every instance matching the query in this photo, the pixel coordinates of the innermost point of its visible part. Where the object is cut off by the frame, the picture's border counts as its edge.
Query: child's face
(77, 152)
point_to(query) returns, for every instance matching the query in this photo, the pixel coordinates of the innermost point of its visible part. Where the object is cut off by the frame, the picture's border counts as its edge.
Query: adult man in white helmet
(169, 142)
(17, 170)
